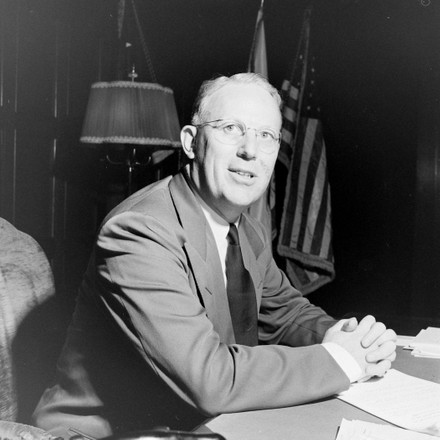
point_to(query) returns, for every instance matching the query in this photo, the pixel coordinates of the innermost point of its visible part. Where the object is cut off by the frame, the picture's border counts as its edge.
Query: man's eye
(267, 135)
(232, 129)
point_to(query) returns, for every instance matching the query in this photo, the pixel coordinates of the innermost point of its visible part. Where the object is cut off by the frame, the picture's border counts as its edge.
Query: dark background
(377, 66)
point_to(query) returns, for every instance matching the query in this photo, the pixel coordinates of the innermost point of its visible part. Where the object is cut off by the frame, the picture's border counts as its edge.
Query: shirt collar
(219, 226)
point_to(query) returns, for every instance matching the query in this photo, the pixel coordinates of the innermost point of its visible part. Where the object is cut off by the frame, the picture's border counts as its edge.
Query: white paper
(399, 398)
(425, 354)
(404, 341)
(360, 430)
(427, 343)
(430, 335)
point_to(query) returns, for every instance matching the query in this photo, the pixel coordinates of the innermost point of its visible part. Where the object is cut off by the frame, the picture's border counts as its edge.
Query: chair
(20, 431)
(26, 284)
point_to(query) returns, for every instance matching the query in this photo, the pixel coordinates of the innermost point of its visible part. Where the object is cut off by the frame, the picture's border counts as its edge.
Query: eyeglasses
(231, 132)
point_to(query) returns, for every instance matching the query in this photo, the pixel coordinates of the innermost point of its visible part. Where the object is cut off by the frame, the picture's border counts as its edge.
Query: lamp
(134, 114)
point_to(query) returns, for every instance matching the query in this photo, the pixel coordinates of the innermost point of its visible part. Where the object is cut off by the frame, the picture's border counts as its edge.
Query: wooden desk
(314, 421)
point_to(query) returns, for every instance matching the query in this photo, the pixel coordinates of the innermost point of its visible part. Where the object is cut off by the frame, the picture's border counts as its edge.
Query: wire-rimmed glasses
(231, 132)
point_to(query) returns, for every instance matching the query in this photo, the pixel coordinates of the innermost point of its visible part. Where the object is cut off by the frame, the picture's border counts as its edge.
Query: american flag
(305, 238)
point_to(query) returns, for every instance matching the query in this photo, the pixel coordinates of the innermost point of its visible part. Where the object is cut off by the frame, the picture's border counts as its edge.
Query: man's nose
(249, 144)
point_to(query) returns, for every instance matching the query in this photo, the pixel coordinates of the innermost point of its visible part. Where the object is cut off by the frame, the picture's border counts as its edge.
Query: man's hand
(371, 344)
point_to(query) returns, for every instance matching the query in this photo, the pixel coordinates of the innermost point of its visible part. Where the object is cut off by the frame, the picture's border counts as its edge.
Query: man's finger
(350, 325)
(364, 379)
(388, 335)
(385, 351)
(376, 331)
(339, 325)
(392, 357)
(365, 324)
(378, 369)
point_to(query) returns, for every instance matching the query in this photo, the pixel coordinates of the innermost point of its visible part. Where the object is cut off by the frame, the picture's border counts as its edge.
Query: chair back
(26, 282)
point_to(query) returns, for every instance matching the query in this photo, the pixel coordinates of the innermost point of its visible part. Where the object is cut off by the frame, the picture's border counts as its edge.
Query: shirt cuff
(345, 360)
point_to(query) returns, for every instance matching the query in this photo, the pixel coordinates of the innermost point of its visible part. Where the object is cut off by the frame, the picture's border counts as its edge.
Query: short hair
(209, 87)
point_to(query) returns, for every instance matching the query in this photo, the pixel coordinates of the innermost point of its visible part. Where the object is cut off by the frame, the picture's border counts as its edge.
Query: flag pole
(254, 38)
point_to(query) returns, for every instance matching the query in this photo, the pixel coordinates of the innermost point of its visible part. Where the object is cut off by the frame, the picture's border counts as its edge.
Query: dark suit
(151, 342)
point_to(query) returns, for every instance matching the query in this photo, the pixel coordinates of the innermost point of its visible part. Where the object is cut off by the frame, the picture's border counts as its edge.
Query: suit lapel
(203, 256)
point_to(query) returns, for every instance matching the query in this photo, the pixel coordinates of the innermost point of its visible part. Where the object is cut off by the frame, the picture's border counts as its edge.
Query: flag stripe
(313, 188)
(290, 115)
(316, 244)
(327, 249)
(321, 242)
(290, 201)
(305, 175)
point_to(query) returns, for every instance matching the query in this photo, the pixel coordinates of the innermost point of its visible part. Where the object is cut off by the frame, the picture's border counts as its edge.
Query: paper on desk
(429, 335)
(425, 353)
(401, 399)
(427, 343)
(404, 341)
(360, 430)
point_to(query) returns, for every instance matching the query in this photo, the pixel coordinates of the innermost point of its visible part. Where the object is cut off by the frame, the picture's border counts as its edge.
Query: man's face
(231, 177)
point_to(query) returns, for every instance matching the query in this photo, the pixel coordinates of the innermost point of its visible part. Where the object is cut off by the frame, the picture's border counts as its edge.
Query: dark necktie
(241, 293)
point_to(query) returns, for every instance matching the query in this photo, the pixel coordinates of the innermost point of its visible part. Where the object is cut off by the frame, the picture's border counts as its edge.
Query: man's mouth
(245, 174)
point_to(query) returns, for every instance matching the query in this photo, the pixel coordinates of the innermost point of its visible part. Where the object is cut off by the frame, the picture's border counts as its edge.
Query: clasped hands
(371, 344)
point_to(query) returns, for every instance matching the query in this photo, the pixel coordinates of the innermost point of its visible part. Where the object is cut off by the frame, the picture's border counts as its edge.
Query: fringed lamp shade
(127, 112)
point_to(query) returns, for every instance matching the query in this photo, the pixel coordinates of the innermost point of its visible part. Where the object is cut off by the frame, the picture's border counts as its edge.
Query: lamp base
(132, 157)
(126, 163)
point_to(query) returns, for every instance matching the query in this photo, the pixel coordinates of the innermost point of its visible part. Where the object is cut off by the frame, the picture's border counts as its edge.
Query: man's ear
(188, 140)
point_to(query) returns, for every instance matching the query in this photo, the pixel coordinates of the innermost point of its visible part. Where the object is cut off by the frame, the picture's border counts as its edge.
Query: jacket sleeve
(142, 279)
(286, 317)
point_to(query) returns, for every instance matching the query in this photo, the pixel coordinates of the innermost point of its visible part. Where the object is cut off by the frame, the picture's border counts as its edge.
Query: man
(153, 340)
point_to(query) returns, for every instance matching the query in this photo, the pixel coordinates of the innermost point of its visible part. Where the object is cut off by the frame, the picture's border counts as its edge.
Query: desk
(314, 421)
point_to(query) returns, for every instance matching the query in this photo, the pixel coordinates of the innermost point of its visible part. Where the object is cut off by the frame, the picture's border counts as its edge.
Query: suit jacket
(151, 342)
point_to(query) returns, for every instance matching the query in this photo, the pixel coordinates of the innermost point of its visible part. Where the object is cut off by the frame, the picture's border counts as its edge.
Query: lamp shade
(127, 112)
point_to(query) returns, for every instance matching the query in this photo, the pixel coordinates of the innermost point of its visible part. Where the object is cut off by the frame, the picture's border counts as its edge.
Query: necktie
(241, 293)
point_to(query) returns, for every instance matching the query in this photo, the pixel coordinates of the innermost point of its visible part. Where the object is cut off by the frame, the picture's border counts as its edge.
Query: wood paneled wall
(50, 53)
